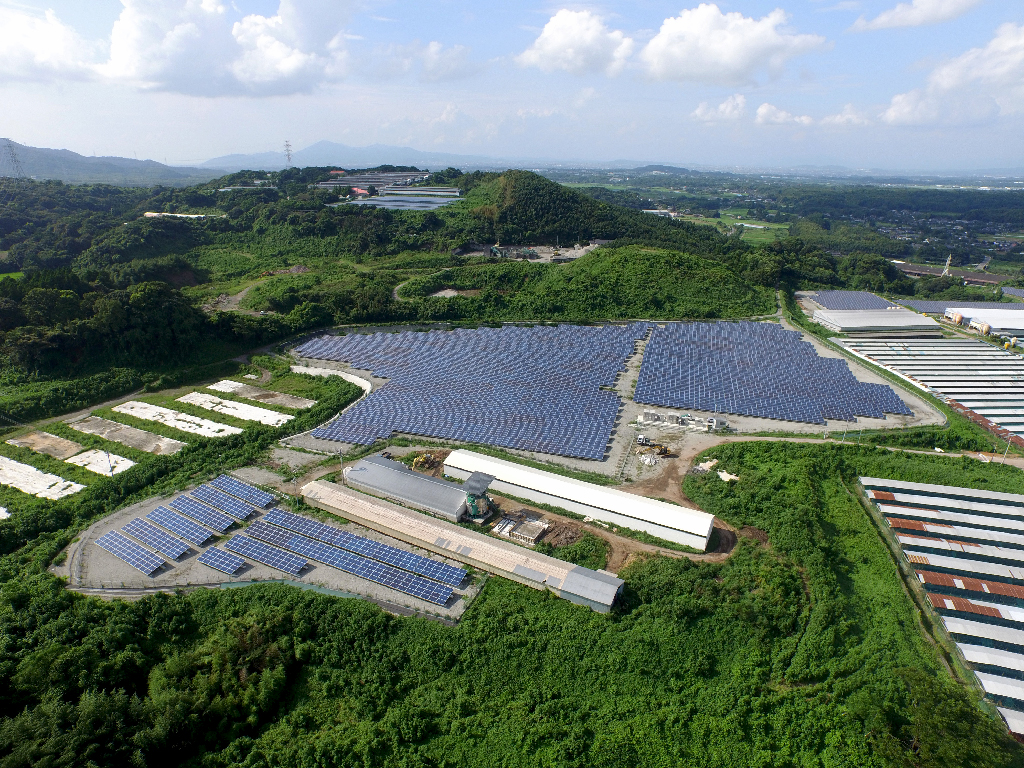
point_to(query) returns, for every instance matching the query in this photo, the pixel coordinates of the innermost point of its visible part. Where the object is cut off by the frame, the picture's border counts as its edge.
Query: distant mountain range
(71, 167)
(331, 153)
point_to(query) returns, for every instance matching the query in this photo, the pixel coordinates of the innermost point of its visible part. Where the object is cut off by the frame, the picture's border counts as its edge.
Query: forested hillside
(801, 651)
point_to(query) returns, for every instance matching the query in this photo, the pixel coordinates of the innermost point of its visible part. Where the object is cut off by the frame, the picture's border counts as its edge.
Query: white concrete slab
(28, 479)
(183, 421)
(262, 395)
(237, 410)
(101, 462)
(139, 439)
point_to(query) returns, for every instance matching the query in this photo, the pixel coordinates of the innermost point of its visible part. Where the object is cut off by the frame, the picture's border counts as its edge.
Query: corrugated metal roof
(874, 320)
(997, 685)
(995, 657)
(691, 521)
(394, 479)
(969, 584)
(969, 628)
(949, 491)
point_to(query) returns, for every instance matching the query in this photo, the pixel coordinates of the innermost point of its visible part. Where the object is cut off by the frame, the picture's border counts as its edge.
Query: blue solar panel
(1018, 292)
(182, 526)
(222, 501)
(400, 558)
(243, 491)
(541, 392)
(754, 369)
(221, 560)
(851, 300)
(123, 548)
(152, 536)
(202, 513)
(371, 570)
(261, 553)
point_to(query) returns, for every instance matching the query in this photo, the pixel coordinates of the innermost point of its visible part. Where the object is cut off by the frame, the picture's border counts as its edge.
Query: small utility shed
(393, 480)
(658, 518)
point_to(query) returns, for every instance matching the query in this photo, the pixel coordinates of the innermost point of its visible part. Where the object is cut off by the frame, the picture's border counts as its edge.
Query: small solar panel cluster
(186, 525)
(261, 553)
(1018, 292)
(400, 558)
(182, 526)
(153, 537)
(123, 548)
(395, 568)
(223, 501)
(755, 369)
(201, 513)
(243, 491)
(840, 300)
(535, 389)
(218, 559)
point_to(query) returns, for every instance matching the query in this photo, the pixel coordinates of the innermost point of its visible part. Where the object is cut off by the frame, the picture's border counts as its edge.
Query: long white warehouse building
(666, 521)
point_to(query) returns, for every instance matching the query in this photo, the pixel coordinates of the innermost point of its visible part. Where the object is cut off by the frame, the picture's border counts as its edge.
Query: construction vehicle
(425, 461)
(645, 445)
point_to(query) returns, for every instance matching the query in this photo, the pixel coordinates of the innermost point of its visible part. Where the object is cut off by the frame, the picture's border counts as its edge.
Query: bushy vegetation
(803, 652)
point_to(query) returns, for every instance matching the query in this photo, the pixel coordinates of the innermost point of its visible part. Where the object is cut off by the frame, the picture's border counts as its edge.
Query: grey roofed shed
(477, 483)
(394, 480)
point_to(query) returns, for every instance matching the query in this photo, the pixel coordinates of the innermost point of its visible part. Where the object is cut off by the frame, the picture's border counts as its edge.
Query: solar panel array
(840, 300)
(939, 307)
(221, 560)
(222, 501)
(262, 553)
(243, 491)
(202, 513)
(535, 389)
(400, 558)
(755, 369)
(182, 526)
(123, 548)
(1018, 292)
(416, 586)
(152, 536)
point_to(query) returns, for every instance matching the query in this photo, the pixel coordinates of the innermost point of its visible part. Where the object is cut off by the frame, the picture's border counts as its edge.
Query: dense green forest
(802, 652)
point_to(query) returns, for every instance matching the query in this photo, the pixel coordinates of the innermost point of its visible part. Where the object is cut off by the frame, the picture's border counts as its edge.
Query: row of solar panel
(535, 378)
(754, 369)
(256, 547)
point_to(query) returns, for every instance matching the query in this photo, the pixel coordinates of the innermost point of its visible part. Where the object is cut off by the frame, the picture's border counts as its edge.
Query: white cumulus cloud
(849, 116)
(768, 114)
(41, 47)
(578, 42)
(917, 13)
(707, 46)
(978, 84)
(732, 108)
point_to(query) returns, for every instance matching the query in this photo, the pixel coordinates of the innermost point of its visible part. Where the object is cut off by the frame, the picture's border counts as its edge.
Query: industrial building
(658, 518)
(857, 321)
(594, 589)
(967, 550)
(1000, 322)
(390, 479)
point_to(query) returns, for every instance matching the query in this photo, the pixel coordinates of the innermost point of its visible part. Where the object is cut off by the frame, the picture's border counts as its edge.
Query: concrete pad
(294, 459)
(139, 439)
(237, 410)
(28, 479)
(183, 421)
(101, 462)
(363, 384)
(257, 476)
(4, 514)
(262, 395)
(43, 442)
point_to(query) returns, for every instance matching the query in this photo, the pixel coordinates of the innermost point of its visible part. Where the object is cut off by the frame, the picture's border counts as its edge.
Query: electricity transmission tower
(11, 172)
(288, 154)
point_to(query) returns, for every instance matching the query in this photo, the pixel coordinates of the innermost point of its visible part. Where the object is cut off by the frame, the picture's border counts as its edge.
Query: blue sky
(916, 85)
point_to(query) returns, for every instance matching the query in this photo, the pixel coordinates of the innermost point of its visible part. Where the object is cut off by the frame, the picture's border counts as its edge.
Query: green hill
(608, 283)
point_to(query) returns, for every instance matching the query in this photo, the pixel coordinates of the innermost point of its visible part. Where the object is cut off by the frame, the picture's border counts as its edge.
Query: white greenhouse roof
(630, 505)
(873, 320)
